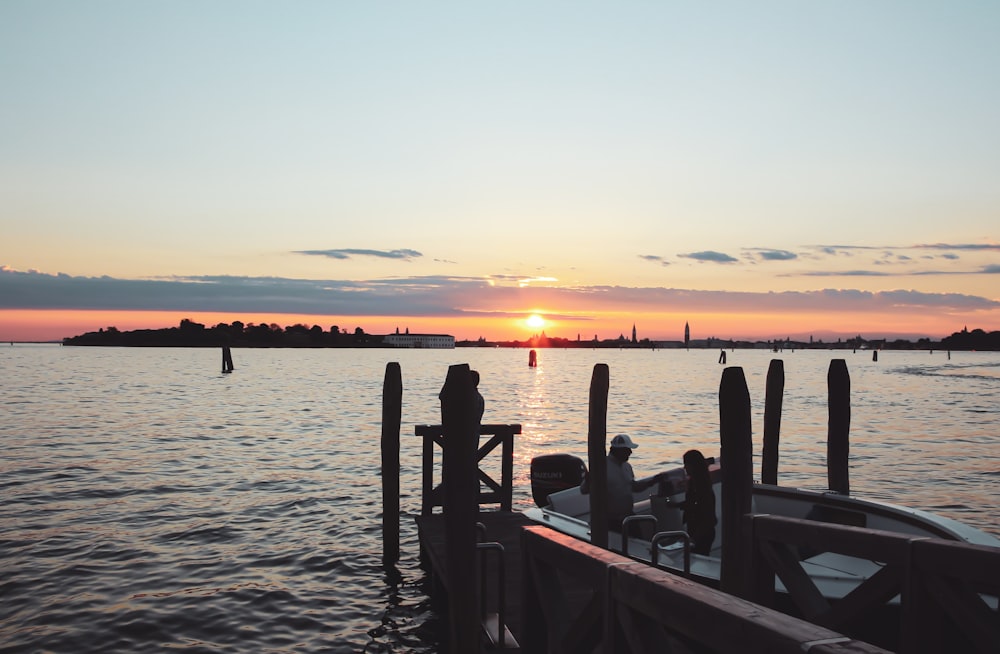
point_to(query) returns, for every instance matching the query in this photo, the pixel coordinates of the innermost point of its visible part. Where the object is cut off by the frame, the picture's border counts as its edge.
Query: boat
(560, 505)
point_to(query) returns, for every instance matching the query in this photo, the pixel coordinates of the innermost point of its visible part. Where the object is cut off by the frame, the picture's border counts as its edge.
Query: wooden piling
(772, 421)
(838, 433)
(392, 410)
(459, 420)
(597, 435)
(532, 359)
(227, 359)
(737, 474)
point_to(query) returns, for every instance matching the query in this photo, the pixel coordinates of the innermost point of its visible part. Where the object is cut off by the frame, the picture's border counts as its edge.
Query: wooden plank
(720, 621)
(974, 618)
(877, 590)
(951, 577)
(797, 581)
(974, 563)
(872, 544)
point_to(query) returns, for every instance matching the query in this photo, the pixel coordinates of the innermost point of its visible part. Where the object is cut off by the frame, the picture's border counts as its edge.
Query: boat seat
(570, 502)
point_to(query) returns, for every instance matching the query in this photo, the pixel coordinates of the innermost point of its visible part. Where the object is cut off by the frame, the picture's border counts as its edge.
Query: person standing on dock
(699, 503)
(621, 481)
(480, 402)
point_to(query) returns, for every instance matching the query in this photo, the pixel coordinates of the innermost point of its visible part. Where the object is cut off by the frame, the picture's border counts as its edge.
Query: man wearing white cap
(621, 481)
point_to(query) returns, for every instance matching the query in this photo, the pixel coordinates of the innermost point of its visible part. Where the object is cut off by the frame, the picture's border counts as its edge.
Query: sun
(535, 321)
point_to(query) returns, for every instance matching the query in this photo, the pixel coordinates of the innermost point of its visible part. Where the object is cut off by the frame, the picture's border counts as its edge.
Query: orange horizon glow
(54, 325)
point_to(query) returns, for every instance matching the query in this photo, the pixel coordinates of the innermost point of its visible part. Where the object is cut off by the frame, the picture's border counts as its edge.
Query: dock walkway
(501, 527)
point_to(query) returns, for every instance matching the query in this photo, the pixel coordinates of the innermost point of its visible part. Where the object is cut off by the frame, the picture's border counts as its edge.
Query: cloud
(995, 247)
(437, 296)
(890, 250)
(347, 253)
(709, 255)
(768, 254)
(655, 258)
(988, 270)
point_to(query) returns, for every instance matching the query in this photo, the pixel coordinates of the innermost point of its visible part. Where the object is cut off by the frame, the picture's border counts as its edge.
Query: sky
(764, 170)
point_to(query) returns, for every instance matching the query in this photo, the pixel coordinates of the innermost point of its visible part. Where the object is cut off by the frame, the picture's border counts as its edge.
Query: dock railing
(495, 492)
(947, 590)
(576, 595)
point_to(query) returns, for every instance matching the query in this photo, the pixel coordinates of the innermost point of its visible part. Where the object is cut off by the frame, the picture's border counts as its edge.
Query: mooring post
(460, 480)
(737, 475)
(838, 382)
(392, 411)
(772, 421)
(597, 436)
(532, 359)
(227, 359)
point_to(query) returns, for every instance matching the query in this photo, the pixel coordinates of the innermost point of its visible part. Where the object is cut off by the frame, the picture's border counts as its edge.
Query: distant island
(239, 334)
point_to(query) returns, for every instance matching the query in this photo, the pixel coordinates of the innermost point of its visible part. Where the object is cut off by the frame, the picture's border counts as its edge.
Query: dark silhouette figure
(699, 503)
(480, 402)
(621, 481)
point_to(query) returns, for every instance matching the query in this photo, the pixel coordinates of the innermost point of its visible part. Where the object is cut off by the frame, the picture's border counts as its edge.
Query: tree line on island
(239, 334)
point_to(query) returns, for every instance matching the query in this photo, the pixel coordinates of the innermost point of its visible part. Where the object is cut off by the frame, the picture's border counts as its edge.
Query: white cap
(622, 440)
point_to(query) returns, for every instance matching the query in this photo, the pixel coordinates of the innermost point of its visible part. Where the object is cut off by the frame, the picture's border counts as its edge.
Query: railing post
(392, 401)
(737, 474)
(772, 421)
(507, 470)
(597, 434)
(427, 478)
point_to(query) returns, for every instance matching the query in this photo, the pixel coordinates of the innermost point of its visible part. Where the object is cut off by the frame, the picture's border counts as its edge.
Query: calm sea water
(151, 503)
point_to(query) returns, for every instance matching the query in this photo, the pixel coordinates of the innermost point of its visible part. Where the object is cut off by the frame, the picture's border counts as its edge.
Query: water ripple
(151, 503)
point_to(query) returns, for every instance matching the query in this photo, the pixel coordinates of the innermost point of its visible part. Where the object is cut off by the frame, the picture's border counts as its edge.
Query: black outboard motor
(551, 473)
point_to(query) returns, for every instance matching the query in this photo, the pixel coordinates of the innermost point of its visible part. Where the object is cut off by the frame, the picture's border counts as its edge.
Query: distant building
(435, 341)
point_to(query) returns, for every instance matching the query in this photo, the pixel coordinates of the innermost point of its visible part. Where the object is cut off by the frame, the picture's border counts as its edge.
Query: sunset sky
(756, 169)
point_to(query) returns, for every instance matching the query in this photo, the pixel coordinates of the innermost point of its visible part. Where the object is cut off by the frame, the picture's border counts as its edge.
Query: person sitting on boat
(699, 503)
(621, 481)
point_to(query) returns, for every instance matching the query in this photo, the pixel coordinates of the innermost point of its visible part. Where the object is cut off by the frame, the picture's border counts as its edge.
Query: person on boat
(621, 481)
(699, 503)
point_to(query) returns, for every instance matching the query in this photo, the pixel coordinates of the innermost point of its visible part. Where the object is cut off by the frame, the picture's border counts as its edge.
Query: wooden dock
(565, 595)
(508, 584)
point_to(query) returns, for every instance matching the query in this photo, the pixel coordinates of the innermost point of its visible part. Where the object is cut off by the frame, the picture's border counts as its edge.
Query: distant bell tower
(687, 335)
(634, 340)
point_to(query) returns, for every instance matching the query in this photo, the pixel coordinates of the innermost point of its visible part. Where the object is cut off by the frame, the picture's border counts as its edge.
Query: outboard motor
(551, 473)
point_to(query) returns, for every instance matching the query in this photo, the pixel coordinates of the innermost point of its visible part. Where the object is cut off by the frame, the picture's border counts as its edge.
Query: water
(151, 503)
